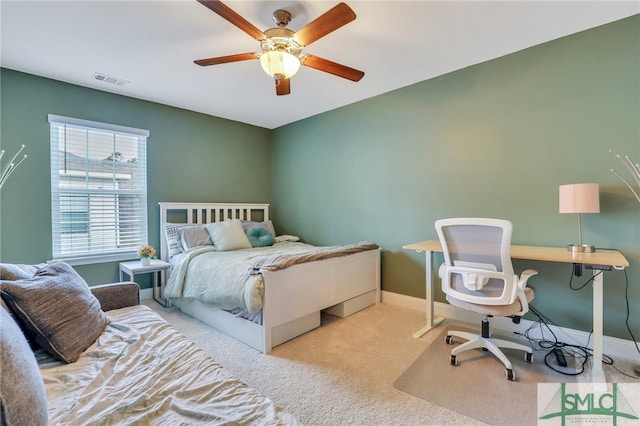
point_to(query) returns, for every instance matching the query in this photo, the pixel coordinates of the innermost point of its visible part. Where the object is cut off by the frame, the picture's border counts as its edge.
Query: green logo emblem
(566, 404)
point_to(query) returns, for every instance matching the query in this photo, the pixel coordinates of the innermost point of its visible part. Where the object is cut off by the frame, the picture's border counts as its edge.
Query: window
(98, 190)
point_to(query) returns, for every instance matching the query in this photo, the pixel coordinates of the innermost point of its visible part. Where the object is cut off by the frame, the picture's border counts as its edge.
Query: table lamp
(580, 198)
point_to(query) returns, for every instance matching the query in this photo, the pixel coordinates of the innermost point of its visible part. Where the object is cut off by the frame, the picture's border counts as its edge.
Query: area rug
(477, 386)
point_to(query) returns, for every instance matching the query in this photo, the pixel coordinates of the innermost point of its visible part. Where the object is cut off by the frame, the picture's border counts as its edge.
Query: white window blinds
(98, 189)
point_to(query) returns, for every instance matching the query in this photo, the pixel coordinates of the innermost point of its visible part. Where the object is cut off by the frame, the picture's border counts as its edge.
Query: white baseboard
(613, 346)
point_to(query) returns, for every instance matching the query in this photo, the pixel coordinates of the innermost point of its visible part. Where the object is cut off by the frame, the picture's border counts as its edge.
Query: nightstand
(157, 267)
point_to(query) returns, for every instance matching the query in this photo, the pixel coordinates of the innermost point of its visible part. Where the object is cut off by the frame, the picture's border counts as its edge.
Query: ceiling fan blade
(230, 15)
(331, 20)
(283, 87)
(226, 59)
(332, 68)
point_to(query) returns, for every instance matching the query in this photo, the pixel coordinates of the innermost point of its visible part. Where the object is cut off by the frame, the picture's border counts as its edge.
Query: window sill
(105, 258)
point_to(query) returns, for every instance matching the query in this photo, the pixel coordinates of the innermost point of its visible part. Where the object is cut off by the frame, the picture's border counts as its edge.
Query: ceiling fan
(281, 48)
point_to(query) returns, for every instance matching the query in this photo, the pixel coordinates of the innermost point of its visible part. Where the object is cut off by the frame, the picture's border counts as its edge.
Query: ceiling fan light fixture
(279, 64)
(281, 48)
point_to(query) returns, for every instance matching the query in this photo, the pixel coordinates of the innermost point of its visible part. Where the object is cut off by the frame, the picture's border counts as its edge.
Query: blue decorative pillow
(260, 237)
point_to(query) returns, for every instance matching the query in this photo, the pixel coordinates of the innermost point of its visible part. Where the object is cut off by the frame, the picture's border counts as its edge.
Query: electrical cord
(626, 320)
(583, 285)
(626, 294)
(580, 354)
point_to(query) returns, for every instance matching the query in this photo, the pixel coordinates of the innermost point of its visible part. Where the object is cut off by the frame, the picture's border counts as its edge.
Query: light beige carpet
(477, 386)
(341, 373)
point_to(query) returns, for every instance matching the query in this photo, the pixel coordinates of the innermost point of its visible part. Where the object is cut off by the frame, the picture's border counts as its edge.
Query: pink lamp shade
(580, 198)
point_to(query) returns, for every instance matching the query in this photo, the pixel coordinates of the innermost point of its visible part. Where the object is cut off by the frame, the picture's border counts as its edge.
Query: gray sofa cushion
(117, 295)
(22, 396)
(58, 309)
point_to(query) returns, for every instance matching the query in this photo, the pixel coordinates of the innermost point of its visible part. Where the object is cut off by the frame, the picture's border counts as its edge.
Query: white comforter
(233, 279)
(143, 371)
(225, 279)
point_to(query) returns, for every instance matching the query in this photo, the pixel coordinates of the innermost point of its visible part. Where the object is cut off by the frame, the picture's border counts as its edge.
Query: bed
(294, 296)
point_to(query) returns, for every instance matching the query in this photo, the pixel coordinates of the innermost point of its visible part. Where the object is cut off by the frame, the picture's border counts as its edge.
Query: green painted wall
(191, 157)
(494, 139)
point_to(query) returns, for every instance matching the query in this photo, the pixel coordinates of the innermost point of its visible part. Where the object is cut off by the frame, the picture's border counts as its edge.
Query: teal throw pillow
(260, 237)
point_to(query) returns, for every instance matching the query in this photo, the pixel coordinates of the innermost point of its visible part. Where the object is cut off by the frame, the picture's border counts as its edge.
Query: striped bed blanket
(278, 262)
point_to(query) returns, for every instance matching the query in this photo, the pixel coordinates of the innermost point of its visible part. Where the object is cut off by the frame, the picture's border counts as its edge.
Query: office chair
(477, 275)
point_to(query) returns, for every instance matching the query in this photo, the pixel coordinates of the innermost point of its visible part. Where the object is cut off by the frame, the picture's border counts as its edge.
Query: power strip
(599, 267)
(562, 361)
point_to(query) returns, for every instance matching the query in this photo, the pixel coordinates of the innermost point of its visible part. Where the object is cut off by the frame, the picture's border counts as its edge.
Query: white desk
(156, 267)
(603, 258)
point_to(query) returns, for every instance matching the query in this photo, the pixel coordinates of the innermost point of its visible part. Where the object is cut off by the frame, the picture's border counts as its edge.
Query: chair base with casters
(487, 343)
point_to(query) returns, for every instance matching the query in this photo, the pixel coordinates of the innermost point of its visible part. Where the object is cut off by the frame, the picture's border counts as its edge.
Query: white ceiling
(152, 45)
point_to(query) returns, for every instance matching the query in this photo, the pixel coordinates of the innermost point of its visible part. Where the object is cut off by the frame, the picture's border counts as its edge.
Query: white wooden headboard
(200, 213)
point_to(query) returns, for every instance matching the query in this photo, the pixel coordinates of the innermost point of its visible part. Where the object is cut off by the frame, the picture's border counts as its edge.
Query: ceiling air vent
(110, 80)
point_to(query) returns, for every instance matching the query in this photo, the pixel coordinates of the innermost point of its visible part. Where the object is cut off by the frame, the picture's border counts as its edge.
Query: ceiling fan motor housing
(280, 39)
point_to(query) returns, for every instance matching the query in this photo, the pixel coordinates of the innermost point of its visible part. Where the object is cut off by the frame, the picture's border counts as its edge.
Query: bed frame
(293, 297)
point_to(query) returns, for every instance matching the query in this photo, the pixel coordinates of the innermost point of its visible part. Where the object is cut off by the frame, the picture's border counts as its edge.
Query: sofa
(77, 355)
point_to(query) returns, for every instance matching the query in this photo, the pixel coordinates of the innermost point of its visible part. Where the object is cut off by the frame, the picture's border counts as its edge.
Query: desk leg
(598, 319)
(431, 322)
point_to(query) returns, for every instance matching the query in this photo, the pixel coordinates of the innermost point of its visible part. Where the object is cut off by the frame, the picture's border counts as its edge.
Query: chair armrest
(524, 277)
(117, 295)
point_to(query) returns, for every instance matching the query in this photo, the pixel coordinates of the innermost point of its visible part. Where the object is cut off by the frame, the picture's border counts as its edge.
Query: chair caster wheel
(449, 340)
(528, 357)
(510, 375)
(453, 360)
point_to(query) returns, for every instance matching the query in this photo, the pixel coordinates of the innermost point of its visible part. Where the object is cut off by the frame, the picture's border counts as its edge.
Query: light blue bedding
(223, 278)
(233, 279)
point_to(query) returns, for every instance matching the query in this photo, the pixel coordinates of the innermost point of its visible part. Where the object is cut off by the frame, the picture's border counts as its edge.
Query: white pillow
(228, 235)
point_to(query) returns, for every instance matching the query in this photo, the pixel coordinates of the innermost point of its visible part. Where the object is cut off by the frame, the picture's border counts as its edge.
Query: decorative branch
(633, 169)
(11, 165)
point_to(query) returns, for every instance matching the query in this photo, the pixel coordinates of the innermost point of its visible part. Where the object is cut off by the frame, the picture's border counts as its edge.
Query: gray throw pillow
(22, 396)
(194, 236)
(10, 271)
(57, 307)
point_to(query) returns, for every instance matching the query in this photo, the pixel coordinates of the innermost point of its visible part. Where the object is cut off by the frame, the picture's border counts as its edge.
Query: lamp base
(581, 248)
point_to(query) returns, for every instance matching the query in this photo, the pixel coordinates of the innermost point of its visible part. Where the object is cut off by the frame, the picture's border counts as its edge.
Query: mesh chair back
(477, 266)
